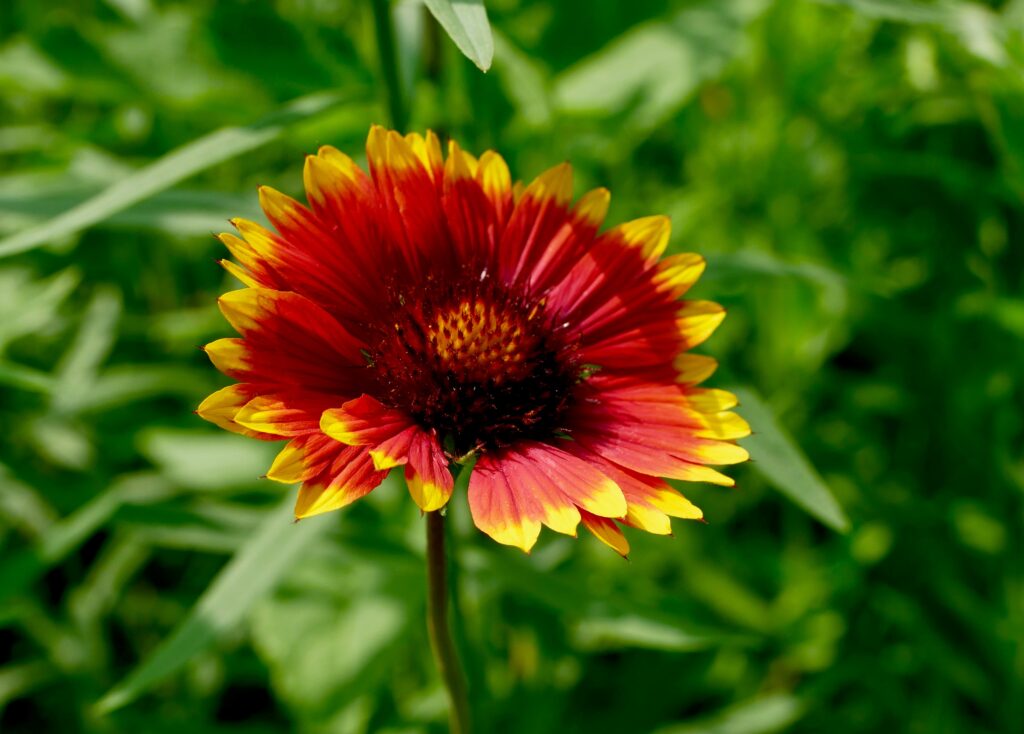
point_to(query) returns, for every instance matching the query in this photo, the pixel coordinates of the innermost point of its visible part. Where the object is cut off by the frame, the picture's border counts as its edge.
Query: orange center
(482, 368)
(483, 342)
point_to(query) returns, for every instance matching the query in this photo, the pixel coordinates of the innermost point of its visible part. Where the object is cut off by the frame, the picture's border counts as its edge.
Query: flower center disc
(483, 370)
(481, 342)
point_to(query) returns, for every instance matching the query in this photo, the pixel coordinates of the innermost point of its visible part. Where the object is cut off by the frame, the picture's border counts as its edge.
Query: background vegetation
(854, 172)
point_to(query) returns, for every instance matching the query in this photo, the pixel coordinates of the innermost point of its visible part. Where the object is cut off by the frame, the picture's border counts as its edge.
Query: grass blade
(25, 378)
(784, 465)
(20, 569)
(249, 576)
(81, 363)
(179, 164)
(759, 716)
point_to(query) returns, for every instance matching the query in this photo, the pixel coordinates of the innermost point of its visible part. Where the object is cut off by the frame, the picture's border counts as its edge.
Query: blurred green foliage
(854, 172)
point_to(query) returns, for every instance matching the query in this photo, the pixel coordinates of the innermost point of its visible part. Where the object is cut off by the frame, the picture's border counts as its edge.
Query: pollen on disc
(482, 367)
(483, 341)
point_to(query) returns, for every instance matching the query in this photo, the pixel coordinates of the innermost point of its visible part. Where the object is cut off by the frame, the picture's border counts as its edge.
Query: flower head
(431, 310)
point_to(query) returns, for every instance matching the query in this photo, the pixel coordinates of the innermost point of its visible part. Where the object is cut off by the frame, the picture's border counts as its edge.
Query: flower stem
(441, 643)
(385, 29)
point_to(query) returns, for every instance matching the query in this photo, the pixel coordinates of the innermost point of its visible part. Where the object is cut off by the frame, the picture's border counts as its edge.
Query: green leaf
(91, 346)
(203, 526)
(362, 608)
(20, 569)
(24, 67)
(205, 460)
(981, 31)
(23, 507)
(16, 681)
(409, 23)
(253, 573)
(181, 213)
(759, 716)
(25, 378)
(61, 442)
(30, 306)
(651, 70)
(605, 619)
(465, 22)
(524, 81)
(168, 170)
(127, 383)
(749, 263)
(778, 458)
(616, 633)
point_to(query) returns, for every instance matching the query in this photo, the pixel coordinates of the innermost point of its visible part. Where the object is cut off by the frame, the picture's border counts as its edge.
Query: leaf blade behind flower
(177, 165)
(249, 576)
(778, 458)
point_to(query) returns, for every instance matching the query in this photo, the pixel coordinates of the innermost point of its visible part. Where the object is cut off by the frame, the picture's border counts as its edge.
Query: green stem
(385, 29)
(439, 629)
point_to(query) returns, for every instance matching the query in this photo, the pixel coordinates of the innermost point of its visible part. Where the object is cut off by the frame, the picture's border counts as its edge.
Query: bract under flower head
(430, 309)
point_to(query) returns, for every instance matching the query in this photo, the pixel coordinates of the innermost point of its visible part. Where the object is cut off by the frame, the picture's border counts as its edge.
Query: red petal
(427, 474)
(222, 407)
(285, 413)
(507, 515)
(513, 492)
(333, 475)
(364, 421)
(411, 213)
(575, 479)
(607, 531)
(393, 440)
(288, 340)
